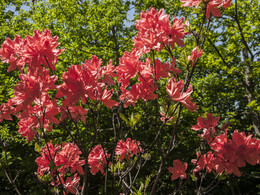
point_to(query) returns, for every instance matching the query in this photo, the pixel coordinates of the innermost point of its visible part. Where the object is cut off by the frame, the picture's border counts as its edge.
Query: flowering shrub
(88, 86)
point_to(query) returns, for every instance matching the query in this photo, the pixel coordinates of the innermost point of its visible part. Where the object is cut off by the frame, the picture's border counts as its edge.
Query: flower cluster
(90, 80)
(67, 158)
(31, 102)
(98, 157)
(211, 5)
(39, 49)
(57, 161)
(87, 81)
(155, 31)
(227, 154)
(125, 149)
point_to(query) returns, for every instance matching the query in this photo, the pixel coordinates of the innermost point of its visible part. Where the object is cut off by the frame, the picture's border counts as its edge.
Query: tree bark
(250, 92)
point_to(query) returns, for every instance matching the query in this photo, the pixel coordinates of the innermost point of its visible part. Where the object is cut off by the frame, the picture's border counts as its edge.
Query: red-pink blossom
(145, 89)
(128, 97)
(174, 89)
(178, 170)
(73, 86)
(73, 112)
(161, 70)
(153, 30)
(27, 128)
(41, 49)
(127, 148)
(5, 110)
(209, 122)
(212, 8)
(32, 86)
(11, 52)
(47, 155)
(177, 32)
(98, 159)
(190, 3)
(69, 157)
(128, 67)
(106, 98)
(71, 185)
(226, 3)
(108, 72)
(195, 54)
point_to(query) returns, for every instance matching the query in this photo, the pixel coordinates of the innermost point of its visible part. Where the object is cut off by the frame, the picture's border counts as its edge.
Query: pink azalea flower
(44, 160)
(69, 157)
(153, 30)
(195, 55)
(209, 122)
(97, 159)
(5, 110)
(178, 170)
(41, 48)
(174, 89)
(72, 186)
(190, 3)
(127, 148)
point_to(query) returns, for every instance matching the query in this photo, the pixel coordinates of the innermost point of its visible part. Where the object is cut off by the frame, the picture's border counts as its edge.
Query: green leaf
(124, 118)
(37, 147)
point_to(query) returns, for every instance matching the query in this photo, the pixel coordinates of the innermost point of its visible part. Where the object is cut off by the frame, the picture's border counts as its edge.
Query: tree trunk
(250, 92)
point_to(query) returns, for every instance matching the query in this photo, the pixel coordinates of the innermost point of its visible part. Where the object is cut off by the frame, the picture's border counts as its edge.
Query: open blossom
(27, 128)
(195, 55)
(212, 5)
(97, 159)
(208, 125)
(41, 48)
(177, 32)
(69, 157)
(106, 98)
(209, 122)
(190, 3)
(212, 8)
(153, 30)
(5, 110)
(73, 112)
(127, 148)
(128, 67)
(174, 89)
(178, 170)
(71, 185)
(11, 52)
(73, 86)
(47, 155)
